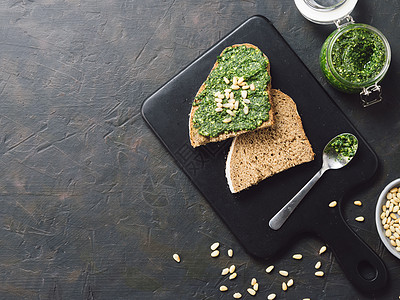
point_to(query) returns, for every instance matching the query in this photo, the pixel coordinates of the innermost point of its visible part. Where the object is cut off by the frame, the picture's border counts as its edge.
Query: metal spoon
(331, 159)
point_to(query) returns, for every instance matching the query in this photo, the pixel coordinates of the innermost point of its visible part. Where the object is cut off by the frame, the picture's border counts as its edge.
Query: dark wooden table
(91, 204)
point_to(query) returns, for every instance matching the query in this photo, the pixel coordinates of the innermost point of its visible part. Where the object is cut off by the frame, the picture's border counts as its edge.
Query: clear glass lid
(325, 11)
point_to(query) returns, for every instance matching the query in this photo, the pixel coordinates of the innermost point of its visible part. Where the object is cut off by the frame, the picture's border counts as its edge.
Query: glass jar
(355, 57)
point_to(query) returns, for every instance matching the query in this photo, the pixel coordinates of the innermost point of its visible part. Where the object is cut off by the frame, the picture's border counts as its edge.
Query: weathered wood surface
(91, 204)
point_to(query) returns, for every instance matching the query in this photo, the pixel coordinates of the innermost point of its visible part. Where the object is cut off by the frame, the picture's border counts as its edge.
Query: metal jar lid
(325, 11)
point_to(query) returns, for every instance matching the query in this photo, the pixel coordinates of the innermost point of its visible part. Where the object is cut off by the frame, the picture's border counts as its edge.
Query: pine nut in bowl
(387, 217)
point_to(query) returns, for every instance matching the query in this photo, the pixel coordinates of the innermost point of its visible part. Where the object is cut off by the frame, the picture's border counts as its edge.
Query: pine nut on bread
(257, 155)
(196, 139)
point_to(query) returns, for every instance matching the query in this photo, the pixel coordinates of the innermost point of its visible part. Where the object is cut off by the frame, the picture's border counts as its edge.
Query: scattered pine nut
(226, 80)
(235, 87)
(333, 204)
(317, 265)
(230, 252)
(357, 202)
(360, 219)
(284, 286)
(227, 120)
(232, 276)
(322, 250)
(223, 288)
(269, 269)
(215, 253)
(251, 291)
(214, 246)
(225, 271)
(290, 282)
(297, 256)
(252, 87)
(237, 295)
(271, 296)
(232, 269)
(284, 273)
(243, 94)
(176, 257)
(253, 281)
(306, 299)
(319, 273)
(255, 286)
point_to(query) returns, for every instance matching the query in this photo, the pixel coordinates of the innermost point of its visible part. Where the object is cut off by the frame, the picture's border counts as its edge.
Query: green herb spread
(357, 57)
(235, 96)
(345, 145)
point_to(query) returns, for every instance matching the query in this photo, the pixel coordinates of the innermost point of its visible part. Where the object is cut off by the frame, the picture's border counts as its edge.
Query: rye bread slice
(197, 139)
(257, 155)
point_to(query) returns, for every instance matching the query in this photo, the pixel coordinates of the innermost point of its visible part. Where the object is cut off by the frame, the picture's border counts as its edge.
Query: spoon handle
(281, 216)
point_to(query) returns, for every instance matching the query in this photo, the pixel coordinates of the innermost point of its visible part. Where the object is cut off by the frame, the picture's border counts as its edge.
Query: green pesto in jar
(250, 65)
(355, 59)
(344, 145)
(358, 55)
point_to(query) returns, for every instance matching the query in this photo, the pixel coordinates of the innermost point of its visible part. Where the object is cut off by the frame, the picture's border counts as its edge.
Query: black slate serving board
(247, 213)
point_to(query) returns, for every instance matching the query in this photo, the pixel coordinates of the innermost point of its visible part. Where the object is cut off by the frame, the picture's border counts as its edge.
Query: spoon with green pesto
(337, 153)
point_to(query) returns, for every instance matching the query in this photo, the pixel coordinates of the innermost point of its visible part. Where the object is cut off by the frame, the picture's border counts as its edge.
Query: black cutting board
(247, 213)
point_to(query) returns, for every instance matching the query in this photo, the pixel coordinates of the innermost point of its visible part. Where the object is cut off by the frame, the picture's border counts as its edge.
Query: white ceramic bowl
(381, 231)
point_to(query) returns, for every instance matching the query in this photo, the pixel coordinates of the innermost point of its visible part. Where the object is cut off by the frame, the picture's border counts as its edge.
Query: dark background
(91, 204)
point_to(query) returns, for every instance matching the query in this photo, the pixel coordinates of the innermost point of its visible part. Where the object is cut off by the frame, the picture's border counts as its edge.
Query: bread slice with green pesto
(234, 99)
(257, 155)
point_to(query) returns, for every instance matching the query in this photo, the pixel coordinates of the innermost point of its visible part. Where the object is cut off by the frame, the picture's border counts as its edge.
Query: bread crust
(197, 139)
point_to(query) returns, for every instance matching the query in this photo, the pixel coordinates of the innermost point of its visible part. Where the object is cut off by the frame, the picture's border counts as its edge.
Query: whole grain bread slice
(197, 139)
(257, 155)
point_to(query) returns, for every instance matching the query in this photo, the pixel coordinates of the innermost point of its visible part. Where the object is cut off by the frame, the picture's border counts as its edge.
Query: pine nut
(176, 257)
(284, 286)
(223, 288)
(247, 101)
(284, 273)
(297, 256)
(218, 109)
(232, 269)
(235, 87)
(230, 112)
(319, 273)
(255, 286)
(225, 271)
(393, 190)
(360, 219)
(232, 276)
(227, 120)
(226, 80)
(227, 90)
(253, 281)
(240, 80)
(269, 269)
(236, 105)
(231, 95)
(215, 253)
(290, 282)
(251, 291)
(333, 204)
(235, 80)
(357, 202)
(237, 295)
(243, 94)
(389, 195)
(252, 87)
(246, 110)
(318, 265)
(230, 252)
(322, 250)
(245, 87)
(271, 296)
